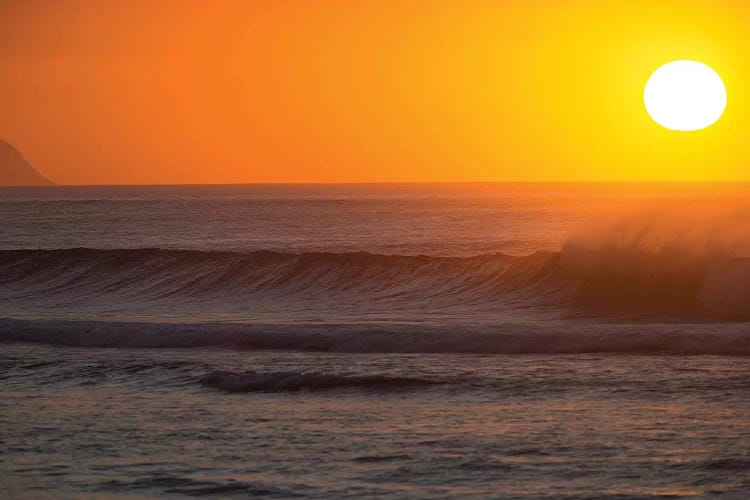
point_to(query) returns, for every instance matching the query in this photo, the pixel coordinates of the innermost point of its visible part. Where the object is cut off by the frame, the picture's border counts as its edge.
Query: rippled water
(94, 422)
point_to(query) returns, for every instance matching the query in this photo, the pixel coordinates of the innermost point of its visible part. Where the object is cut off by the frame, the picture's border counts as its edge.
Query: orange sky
(192, 91)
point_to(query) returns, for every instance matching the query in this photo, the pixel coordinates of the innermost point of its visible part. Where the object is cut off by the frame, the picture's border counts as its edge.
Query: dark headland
(15, 171)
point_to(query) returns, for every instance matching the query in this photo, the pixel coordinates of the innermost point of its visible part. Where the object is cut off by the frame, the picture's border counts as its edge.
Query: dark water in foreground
(103, 422)
(509, 341)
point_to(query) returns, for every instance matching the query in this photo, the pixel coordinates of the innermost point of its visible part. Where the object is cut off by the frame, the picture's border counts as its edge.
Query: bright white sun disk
(685, 96)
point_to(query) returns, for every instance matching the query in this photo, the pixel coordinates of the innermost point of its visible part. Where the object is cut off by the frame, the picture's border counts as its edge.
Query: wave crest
(230, 285)
(191, 286)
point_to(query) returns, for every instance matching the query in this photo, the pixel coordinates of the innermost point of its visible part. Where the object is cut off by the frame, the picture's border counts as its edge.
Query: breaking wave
(228, 285)
(174, 285)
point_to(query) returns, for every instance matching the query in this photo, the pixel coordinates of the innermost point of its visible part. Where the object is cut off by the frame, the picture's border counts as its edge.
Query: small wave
(737, 464)
(292, 382)
(729, 339)
(381, 458)
(182, 485)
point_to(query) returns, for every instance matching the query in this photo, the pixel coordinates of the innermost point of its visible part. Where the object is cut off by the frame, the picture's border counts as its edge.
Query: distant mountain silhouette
(15, 171)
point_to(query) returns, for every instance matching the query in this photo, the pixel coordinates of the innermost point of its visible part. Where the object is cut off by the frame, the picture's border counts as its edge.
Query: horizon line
(384, 183)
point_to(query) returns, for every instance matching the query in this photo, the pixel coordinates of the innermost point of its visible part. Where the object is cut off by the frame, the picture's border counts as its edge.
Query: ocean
(518, 340)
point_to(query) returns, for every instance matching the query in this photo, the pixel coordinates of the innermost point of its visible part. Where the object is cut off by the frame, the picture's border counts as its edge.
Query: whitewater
(505, 340)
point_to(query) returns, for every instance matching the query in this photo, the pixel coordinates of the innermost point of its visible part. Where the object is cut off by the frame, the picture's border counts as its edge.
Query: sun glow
(685, 96)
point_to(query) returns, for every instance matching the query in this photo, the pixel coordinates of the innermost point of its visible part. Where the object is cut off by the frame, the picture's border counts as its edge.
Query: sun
(685, 96)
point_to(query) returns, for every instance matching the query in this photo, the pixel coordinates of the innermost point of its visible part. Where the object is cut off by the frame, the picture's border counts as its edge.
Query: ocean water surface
(485, 340)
